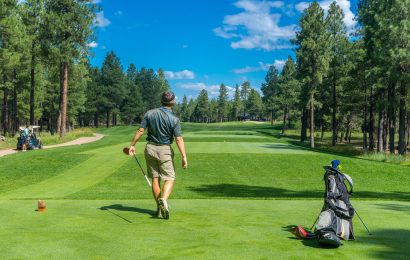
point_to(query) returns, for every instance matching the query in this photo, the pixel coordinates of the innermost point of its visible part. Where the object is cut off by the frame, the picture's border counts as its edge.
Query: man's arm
(137, 136)
(181, 146)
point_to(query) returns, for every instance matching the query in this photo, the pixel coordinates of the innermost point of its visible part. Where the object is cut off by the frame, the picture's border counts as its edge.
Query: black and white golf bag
(335, 220)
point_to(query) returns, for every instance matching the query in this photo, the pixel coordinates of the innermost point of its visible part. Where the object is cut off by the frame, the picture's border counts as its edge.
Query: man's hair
(168, 98)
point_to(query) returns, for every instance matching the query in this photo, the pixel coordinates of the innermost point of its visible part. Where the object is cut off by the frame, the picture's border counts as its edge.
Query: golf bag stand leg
(314, 223)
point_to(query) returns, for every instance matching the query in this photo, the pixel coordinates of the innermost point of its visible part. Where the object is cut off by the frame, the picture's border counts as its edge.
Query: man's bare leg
(166, 191)
(156, 190)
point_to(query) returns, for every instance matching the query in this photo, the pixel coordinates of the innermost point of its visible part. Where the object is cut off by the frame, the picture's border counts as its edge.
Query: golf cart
(28, 139)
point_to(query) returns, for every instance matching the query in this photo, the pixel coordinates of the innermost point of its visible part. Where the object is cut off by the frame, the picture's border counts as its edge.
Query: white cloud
(325, 4)
(302, 6)
(262, 67)
(93, 44)
(183, 74)
(256, 27)
(101, 21)
(279, 64)
(213, 90)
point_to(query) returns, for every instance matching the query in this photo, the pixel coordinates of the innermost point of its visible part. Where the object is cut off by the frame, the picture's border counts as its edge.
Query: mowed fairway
(244, 189)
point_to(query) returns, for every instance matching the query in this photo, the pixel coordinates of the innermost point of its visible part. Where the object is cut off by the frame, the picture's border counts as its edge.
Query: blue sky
(202, 43)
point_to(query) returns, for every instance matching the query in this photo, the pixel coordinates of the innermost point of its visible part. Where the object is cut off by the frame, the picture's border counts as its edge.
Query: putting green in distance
(244, 147)
(224, 136)
(197, 229)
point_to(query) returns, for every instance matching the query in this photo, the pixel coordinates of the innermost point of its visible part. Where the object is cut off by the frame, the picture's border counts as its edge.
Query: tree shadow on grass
(285, 147)
(391, 243)
(247, 191)
(395, 207)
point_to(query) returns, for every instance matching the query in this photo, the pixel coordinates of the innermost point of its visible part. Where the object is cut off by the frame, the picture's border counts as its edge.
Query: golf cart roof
(35, 126)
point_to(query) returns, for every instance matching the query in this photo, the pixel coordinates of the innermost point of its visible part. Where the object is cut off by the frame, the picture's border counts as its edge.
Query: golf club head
(126, 150)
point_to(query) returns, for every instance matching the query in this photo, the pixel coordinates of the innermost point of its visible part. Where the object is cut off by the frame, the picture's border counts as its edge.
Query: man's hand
(184, 163)
(181, 146)
(131, 151)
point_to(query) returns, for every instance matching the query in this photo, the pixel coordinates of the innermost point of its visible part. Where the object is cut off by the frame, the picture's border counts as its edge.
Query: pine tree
(34, 14)
(254, 104)
(132, 107)
(312, 54)
(13, 53)
(67, 31)
(185, 113)
(112, 81)
(245, 91)
(236, 104)
(338, 59)
(288, 91)
(222, 103)
(270, 90)
(201, 112)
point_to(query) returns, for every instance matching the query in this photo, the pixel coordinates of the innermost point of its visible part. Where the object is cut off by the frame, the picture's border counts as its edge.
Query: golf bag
(335, 220)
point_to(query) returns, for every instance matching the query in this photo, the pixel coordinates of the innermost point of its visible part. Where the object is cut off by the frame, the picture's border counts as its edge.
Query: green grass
(244, 188)
(199, 229)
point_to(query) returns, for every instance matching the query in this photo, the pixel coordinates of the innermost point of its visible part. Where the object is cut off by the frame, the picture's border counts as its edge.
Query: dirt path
(81, 140)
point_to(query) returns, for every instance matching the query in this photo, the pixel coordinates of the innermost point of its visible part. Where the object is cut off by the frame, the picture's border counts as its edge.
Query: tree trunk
(408, 129)
(33, 82)
(285, 111)
(392, 122)
(380, 133)
(334, 108)
(312, 123)
(385, 130)
(371, 122)
(271, 118)
(64, 92)
(365, 118)
(5, 110)
(348, 128)
(289, 122)
(96, 121)
(322, 134)
(107, 122)
(402, 119)
(304, 119)
(15, 112)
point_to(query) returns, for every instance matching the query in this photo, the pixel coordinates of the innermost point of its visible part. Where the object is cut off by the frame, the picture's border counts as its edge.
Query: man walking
(162, 127)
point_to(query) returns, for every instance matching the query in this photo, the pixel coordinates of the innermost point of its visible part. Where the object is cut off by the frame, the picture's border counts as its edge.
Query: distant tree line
(341, 81)
(245, 104)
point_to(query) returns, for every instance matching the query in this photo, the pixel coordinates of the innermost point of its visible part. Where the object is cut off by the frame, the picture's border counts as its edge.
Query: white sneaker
(163, 206)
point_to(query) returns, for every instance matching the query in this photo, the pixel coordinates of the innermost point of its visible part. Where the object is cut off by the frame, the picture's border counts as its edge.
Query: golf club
(368, 231)
(126, 151)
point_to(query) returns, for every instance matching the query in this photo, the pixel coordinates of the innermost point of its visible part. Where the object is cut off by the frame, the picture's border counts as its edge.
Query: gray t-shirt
(162, 126)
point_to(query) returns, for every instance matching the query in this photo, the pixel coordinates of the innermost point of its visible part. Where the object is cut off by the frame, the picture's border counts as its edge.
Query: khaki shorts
(160, 161)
